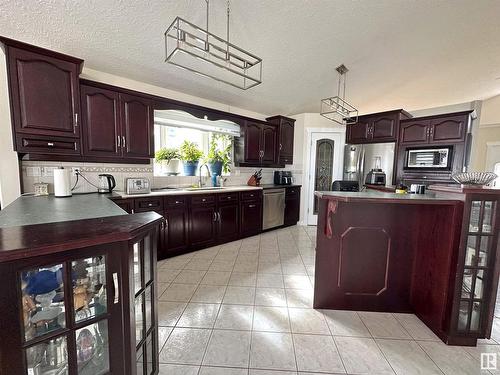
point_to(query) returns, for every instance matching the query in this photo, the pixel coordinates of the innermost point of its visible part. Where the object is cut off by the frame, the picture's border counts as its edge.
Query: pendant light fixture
(195, 49)
(336, 108)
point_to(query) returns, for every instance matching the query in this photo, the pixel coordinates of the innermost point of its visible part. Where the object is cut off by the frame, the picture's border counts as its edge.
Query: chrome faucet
(208, 171)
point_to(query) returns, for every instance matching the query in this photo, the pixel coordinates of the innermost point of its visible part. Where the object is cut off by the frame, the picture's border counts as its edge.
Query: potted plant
(219, 154)
(190, 155)
(168, 158)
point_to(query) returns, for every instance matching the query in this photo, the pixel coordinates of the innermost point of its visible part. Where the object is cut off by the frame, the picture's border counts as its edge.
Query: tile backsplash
(41, 171)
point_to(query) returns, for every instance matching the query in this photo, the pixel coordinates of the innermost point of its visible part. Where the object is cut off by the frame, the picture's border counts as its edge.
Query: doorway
(325, 161)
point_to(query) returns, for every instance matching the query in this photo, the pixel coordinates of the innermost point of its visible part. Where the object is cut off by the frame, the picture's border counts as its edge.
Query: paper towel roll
(62, 182)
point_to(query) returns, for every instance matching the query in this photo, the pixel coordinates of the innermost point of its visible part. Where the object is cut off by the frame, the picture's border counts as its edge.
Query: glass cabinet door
(143, 263)
(43, 303)
(48, 357)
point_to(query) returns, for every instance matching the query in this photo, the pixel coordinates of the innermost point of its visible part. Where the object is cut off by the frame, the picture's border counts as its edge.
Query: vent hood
(181, 119)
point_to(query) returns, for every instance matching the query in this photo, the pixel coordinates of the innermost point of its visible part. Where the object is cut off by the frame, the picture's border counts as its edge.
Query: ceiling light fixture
(336, 108)
(195, 49)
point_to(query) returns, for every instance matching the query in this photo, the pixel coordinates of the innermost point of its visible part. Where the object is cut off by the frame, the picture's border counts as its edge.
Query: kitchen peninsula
(80, 290)
(434, 255)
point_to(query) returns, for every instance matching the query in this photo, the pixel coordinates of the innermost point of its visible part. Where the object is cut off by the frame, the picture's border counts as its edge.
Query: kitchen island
(432, 254)
(79, 287)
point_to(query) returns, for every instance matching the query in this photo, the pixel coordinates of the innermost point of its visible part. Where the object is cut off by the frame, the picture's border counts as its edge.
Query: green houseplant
(219, 154)
(168, 158)
(190, 155)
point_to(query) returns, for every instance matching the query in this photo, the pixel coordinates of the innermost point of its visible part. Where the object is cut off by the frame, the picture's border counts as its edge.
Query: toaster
(137, 185)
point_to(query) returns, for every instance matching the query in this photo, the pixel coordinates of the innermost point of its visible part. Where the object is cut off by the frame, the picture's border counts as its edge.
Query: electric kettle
(106, 183)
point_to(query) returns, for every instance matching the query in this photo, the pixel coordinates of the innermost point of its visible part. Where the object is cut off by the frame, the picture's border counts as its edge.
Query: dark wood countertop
(43, 239)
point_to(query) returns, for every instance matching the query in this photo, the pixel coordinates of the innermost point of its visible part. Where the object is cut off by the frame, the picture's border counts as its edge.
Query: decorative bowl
(474, 178)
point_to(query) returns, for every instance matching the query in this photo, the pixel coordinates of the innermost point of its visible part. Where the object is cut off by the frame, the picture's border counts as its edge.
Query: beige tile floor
(245, 308)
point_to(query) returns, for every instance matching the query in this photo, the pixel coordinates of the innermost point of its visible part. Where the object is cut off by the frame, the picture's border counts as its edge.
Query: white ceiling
(401, 54)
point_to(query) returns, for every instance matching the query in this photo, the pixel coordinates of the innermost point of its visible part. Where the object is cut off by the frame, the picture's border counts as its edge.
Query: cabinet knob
(50, 144)
(150, 204)
(251, 206)
(178, 202)
(203, 200)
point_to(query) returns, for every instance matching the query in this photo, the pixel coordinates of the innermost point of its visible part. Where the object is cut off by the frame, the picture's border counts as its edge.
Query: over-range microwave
(432, 158)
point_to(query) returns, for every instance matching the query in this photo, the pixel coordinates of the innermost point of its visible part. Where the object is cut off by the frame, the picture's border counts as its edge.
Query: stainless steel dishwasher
(274, 208)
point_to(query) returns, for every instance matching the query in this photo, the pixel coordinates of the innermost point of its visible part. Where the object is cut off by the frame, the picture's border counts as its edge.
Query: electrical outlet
(48, 171)
(75, 170)
(33, 171)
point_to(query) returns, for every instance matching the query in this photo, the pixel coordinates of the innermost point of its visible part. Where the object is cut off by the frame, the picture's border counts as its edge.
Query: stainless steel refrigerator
(360, 159)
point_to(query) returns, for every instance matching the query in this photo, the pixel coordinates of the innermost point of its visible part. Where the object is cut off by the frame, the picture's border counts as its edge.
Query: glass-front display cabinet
(477, 273)
(69, 313)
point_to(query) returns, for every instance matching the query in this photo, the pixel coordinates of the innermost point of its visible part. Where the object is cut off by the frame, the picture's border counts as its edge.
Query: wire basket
(474, 178)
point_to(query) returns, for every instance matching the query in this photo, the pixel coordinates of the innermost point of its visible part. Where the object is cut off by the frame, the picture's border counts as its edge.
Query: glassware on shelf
(463, 315)
(487, 214)
(92, 349)
(137, 268)
(474, 216)
(42, 300)
(48, 358)
(89, 287)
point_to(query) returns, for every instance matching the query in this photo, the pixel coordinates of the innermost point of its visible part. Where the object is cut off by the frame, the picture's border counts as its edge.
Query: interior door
(325, 156)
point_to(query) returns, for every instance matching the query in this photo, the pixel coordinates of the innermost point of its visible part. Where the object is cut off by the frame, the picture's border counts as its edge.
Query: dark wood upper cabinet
(258, 145)
(269, 144)
(44, 94)
(414, 131)
(101, 121)
(252, 134)
(448, 129)
(137, 126)
(376, 127)
(285, 138)
(358, 132)
(440, 129)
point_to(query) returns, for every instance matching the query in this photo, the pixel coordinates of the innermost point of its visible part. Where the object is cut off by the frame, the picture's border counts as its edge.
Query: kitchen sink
(166, 189)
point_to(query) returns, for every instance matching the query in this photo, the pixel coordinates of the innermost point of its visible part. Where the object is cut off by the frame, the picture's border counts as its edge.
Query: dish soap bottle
(401, 188)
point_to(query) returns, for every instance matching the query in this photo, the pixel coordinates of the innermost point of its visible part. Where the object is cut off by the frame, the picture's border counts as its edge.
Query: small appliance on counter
(376, 176)
(137, 185)
(62, 182)
(106, 183)
(283, 178)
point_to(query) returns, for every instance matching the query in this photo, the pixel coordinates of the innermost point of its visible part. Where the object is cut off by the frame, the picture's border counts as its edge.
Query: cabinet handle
(281, 146)
(251, 206)
(150, 204)
(218, 215)
(50, 144)
(215, 216)
(117, 291)
(203, 200)
(178, 202)
(123, 141)
(133, 211)
(76, 120)
(118, 142)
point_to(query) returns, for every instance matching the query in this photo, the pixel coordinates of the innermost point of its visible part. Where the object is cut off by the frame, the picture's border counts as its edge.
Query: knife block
(252, 181)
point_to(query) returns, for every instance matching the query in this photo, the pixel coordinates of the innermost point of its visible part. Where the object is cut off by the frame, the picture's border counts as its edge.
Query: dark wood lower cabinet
(202, 225)
(251, 218)
(82, 301)
(228, 228)
(175, 235)
(292, 205)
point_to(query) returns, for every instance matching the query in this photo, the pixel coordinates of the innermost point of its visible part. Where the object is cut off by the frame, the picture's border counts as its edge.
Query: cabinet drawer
(251, 195)
(175, 201)
(227, 197)
(149, 204)
(292, 192)
(202, 199)
(48, 145)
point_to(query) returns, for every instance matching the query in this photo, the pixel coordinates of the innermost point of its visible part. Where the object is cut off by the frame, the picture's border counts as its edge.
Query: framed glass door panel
(89, 287)
(137, 267)
(43, 302)
(48, 357)
(92, 349)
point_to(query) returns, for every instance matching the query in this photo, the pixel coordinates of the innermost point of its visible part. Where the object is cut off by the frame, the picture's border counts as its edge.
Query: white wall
(9, 164)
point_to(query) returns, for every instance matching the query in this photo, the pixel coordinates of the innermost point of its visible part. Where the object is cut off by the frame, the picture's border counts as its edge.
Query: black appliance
(283, 178)
(375, 177)
(343, 185)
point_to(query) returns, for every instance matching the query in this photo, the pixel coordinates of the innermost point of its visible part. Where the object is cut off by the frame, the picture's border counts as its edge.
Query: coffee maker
(283, 178)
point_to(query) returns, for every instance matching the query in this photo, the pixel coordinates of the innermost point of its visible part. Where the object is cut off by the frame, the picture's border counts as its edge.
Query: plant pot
(170, 167)
(216, 168)
(190, 168)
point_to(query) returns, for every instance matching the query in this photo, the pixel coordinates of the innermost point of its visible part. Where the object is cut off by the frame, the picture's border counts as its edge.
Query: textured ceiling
(409, 54)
